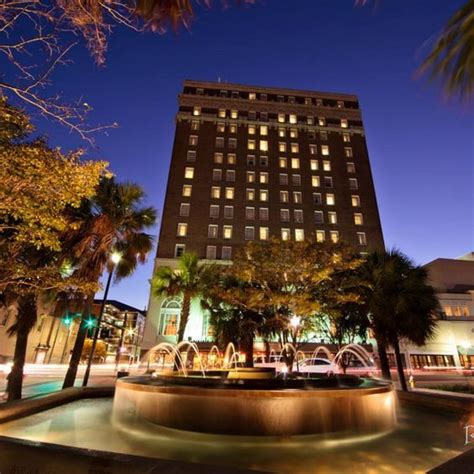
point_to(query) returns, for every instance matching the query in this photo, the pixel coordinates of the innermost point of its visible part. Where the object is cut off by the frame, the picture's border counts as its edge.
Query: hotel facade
(253, 162)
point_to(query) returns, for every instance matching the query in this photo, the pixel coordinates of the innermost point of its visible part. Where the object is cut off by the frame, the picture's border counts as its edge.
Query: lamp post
(295, 323)
(115, 259)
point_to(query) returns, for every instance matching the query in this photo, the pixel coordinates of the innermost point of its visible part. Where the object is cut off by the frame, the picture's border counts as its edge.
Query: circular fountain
(254, 401)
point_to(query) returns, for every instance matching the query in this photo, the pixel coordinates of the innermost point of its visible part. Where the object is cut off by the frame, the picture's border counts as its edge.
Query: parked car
(317, 365)
(356, 367)
(275, 361)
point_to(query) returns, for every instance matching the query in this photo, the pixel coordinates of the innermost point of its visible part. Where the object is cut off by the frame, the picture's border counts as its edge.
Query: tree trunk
(267, 350)
(401, 372)
(247, 345)
(384, 363)
(183, 320)
(26, 319)
(78, 346)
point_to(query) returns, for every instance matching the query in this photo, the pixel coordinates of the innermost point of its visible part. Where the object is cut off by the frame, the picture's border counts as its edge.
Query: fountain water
(322, 349)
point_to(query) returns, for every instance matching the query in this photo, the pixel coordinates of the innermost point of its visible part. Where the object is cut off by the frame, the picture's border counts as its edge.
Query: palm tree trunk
(247, 345)
(398, 357)
(78, 346)
(183, 320)
(26, 320)
(384, 363)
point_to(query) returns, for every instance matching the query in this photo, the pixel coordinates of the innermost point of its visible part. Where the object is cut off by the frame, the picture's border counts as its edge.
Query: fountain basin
(275, 407)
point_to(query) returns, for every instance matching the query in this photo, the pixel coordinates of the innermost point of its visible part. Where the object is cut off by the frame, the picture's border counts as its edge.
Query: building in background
(453, 342)
(253, 162)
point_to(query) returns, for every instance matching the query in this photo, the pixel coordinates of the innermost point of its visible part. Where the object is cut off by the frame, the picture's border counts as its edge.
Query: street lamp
(115, 258)
(295, 323)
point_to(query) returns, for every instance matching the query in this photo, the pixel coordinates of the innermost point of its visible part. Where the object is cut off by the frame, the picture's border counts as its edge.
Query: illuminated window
(323, 135)
(228, 212)
(322, 121)
(298, 215)
(187, 189)
(330, 199)
(282, 147)
(263, 145)
(229, 193)
(457, 310)
(285, 234)
(263, 130)
(250, 176)
(251, 144)
(215, 192)
(214, 211)
(353, 184)
(332, 217)
(327, 182)
(191, 155)
(295, 163)
(231, 158)
(293, 133)
(169, 325)
(283, 179)
(313, 149)
(263, 178)
(234, 114)
(217, 175)
(188, 173)
(295, 148)
(220, 127)
(212, 231)
(348, 152)
(297, 197)
(250, 213)
(334, 236)
(219, 142)
(315, 181)
(340, 104)
(344, 123)
(320, 236)
(358, 219)
(194, 125)
(226, 252)
(346, 137)
(250, 194)
(264, 161)
(351, 167)
(227, 232)
(232, 142)
(252, 95)
(317, 199)
(179, 250)
(284, 196)
(264, 233)
(263, 195)
(281, 118)
(293, 118)
(319, 102)
(232, 128)
(281, 132)
(361, 238)
(314, 165)
(250, 160)
(252, 129)
(325, 150)
(326, 165)
(218, 158)
(249, 233)
(263, 213)
(355, 200)
(310, 120)
(230, 175)
(299, 235)
(211, 251)
(285, 215)
(307, 101)
(222, 113)
(193, 140)
(282, 162)
(197, 111)
(318, 217)
(465, 310)
(448, 311)
(184, 209)
(296, 180)
(182, 230)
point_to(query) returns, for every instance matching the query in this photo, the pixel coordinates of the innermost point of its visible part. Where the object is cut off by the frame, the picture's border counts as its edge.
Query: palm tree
(401, 303)
(113, 221)
(187, 281)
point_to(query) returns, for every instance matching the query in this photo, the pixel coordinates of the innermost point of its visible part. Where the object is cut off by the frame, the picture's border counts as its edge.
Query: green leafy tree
(114, 220)
(187, 281)
(402, 305)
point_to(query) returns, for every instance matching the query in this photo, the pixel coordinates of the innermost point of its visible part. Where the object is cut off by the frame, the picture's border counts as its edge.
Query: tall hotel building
(253, 162)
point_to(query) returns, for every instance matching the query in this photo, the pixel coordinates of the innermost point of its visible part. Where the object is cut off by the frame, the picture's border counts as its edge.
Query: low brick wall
(437, 400)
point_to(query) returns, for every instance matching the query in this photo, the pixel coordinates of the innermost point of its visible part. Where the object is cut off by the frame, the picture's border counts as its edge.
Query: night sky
(420, 145)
